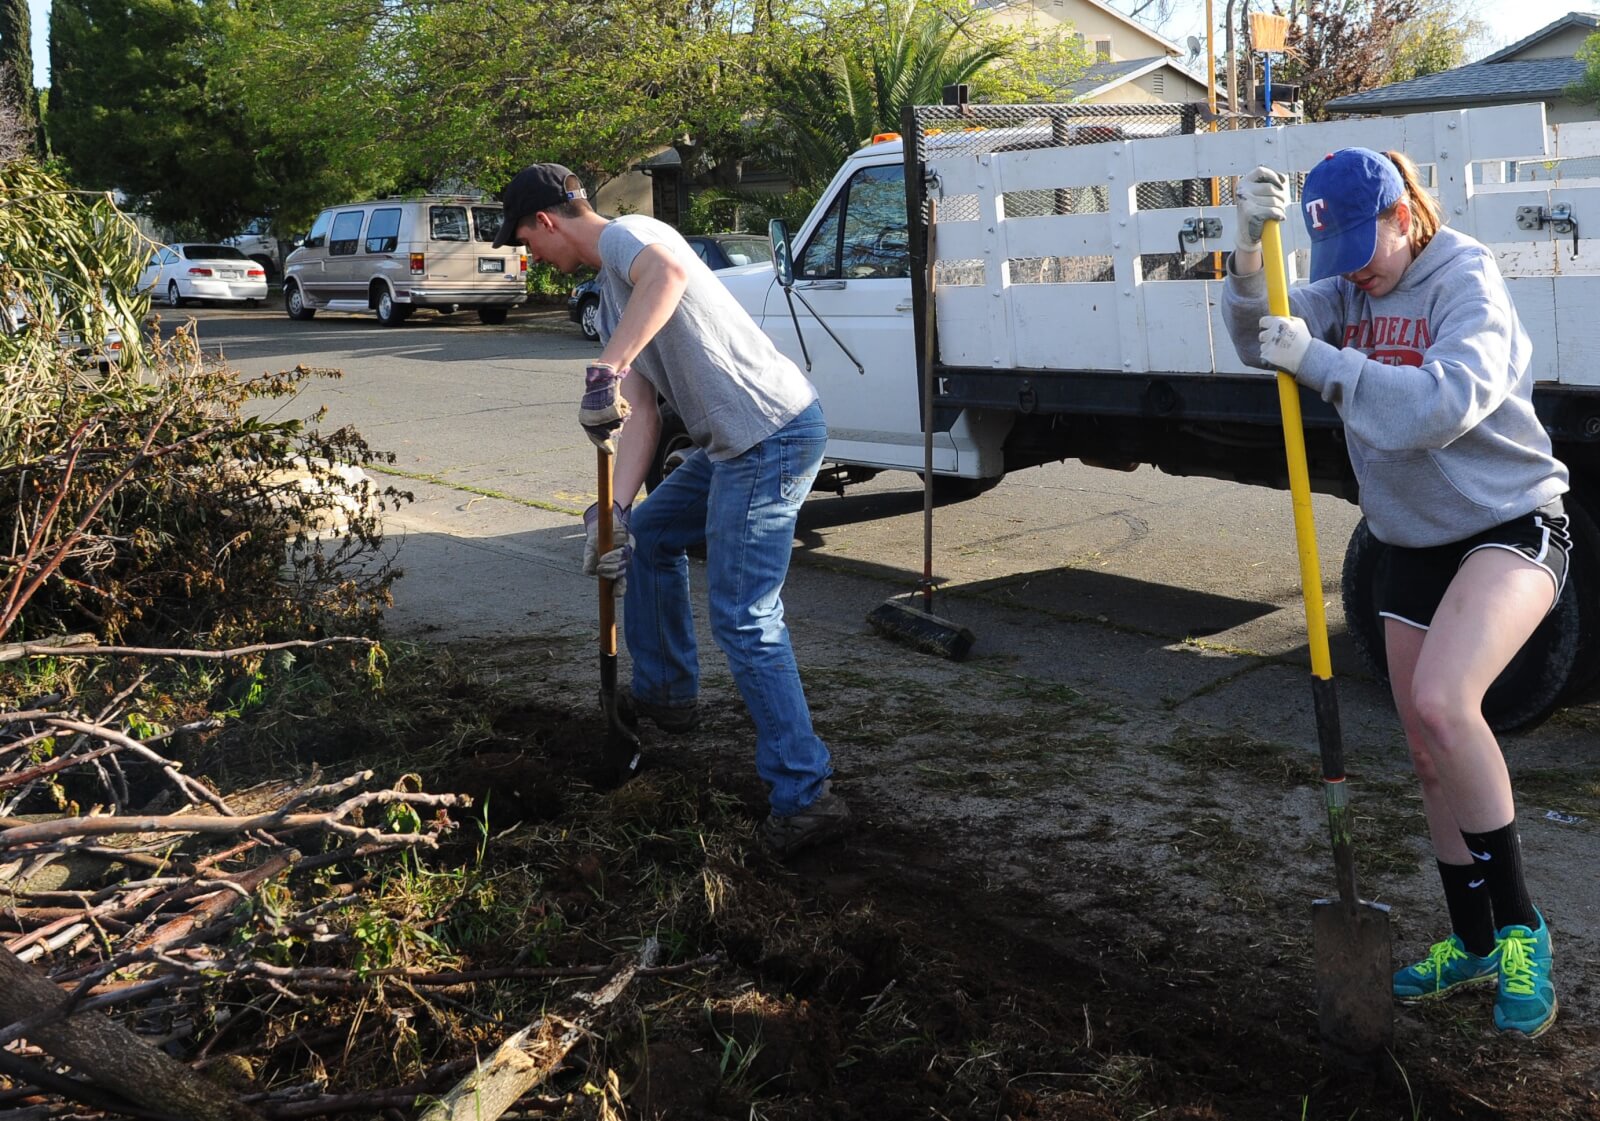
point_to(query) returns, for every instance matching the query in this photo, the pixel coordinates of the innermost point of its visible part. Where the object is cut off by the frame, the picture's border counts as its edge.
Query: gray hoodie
(1434, 386)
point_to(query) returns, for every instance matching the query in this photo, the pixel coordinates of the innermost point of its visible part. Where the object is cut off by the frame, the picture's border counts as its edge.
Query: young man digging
(669, 328)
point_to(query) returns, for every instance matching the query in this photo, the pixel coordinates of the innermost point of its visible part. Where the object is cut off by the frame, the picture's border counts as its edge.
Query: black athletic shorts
(1412, 582)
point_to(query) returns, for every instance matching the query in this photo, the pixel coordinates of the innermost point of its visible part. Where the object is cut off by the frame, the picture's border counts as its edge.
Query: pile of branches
(180, 913)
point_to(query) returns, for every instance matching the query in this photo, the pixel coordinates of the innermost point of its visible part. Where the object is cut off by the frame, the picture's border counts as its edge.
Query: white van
(393, 256)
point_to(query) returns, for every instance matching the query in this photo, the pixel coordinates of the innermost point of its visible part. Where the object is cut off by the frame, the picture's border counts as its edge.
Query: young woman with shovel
(1407, 329)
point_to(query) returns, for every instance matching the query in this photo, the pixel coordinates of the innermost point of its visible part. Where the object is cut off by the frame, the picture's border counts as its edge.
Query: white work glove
(1284, 342)
(613, 565)
(1261, 196)
(603, 408)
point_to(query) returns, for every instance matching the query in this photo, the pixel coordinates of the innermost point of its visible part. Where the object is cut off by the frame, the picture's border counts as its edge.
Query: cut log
(108, 1053)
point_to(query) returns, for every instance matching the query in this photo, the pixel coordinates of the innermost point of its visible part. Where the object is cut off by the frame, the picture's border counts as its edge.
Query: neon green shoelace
(1440, 954)
(1516, 962)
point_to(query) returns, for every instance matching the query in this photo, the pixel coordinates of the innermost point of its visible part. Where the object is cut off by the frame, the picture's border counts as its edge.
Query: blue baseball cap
(1341, 201)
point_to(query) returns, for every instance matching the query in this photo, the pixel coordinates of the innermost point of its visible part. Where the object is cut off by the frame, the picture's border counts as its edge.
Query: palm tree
(829, 110)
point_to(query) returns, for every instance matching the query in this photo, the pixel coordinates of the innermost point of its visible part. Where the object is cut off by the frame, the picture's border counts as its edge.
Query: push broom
(898, 619)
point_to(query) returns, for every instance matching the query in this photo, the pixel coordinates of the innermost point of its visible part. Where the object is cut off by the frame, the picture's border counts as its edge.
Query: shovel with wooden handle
(1352, 939)
(622, 751)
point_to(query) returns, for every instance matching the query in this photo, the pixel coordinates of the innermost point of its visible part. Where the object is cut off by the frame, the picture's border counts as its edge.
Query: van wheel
(492, 316)
(589, 318)
(295, 304)
(390, 314)
(1531, 687)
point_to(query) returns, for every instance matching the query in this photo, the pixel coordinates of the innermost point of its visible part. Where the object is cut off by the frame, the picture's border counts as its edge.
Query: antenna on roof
(1195, 47)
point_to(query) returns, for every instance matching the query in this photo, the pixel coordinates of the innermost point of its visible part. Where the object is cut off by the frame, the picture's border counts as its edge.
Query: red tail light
(199, 272)
(523, 257)
(257, 272)
(419, 264)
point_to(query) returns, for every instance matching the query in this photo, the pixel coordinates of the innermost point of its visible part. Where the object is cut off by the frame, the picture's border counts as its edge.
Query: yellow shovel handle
(1294, 445)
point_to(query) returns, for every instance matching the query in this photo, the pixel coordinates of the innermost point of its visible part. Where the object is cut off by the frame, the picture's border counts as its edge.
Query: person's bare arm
(637, 445)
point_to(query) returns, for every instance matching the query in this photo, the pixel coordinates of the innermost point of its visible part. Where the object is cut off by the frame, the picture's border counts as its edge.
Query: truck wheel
(295, 304)
(492, 316)
(1528, 690)
(671, 446)
(950, 488)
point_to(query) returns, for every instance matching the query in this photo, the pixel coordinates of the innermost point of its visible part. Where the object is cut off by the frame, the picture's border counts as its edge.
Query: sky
(1508, 20)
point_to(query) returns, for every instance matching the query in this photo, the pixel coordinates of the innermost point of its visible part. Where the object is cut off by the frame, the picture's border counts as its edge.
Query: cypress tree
(16, 64)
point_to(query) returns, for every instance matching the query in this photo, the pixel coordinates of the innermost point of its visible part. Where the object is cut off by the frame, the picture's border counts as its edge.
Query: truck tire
(1538, 678)
(492, 316)
(671, 446)
(952, 488)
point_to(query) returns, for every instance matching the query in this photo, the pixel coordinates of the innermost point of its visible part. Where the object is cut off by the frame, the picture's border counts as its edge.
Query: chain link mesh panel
(975, 130)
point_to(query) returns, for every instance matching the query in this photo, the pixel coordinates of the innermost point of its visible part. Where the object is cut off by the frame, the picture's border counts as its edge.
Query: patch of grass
(1569, 790)
(1266, 762)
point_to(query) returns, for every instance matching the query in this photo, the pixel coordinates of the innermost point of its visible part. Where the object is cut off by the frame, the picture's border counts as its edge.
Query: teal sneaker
(1447, 967)
(1526, 1002)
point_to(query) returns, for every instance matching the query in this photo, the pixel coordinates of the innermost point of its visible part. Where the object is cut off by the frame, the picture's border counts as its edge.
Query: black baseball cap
(536, 187)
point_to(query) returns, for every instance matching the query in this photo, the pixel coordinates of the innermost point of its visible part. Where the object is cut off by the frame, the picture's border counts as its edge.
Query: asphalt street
(1181, 592)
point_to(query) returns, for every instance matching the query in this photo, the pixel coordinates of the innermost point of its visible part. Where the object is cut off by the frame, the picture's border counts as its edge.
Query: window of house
(1102, 47)
(346, 233)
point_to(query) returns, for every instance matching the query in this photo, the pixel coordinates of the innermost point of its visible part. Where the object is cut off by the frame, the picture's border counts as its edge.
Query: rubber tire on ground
(951, 488)
(589, 318)
(1529, 689)
(671, 445)
(492, 316)
(174, 296)
(390, 314)
(295, 304)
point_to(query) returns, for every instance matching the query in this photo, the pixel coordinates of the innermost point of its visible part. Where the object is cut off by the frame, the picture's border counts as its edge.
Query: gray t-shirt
(710, 362)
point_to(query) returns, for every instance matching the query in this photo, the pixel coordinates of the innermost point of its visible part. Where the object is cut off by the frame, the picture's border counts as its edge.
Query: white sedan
(202, 271)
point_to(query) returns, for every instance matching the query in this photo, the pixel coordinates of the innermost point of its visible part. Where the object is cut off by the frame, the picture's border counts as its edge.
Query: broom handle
(927, 420)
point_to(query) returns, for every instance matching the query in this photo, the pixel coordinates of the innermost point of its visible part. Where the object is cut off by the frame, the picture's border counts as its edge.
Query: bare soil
(1053, 908)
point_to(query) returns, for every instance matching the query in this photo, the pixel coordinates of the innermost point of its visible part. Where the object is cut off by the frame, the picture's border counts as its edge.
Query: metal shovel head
(622, 751)
(1355, 993)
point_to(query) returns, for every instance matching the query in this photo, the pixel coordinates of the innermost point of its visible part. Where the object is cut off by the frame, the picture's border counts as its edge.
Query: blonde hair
(1426, 217)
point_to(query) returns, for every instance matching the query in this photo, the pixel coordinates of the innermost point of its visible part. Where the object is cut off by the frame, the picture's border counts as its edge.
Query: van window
(486, 221)
(448, 223)
(383, 231)
(319, 230)
(863, 236)
(346, 233)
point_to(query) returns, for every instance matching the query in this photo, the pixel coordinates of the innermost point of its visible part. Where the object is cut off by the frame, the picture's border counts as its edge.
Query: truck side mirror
(782, 259)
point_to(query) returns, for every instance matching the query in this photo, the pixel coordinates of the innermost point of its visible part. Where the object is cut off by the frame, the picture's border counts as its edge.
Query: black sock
(1497, 859)
(1471, 917)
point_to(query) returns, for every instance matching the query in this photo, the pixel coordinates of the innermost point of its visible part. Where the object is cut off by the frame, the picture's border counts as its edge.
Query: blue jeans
(744, 509)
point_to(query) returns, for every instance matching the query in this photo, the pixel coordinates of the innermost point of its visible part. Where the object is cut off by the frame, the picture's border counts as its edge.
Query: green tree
(1437, 39)
(1587, 88)
(904, 52)
(1341, 47)
(16, 65)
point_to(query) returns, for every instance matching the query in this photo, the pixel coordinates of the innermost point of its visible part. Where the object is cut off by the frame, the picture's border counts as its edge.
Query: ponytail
(1426, 217)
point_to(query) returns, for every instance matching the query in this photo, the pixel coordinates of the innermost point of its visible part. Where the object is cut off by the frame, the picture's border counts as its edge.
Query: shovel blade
(1355, 994)
(622, 751)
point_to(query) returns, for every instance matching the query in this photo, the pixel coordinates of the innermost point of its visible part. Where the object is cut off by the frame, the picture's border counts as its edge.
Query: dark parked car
(718, 251)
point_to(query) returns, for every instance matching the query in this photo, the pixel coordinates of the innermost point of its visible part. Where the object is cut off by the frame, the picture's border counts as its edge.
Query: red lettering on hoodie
(1393, 340)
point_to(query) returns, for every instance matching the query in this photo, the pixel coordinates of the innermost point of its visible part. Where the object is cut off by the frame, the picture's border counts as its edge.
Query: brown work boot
(673, 719)
(826, 819)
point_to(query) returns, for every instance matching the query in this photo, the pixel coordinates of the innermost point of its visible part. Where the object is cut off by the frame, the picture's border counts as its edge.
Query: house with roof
(1541, 67)
(1131, 64)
